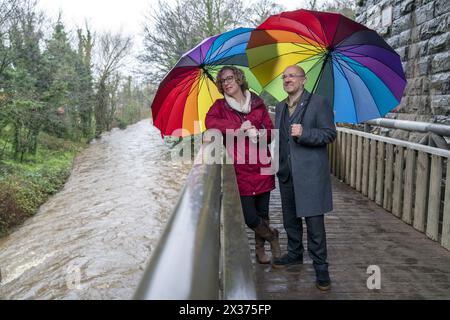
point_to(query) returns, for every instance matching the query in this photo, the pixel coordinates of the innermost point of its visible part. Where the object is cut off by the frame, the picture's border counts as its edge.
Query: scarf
(246, 108)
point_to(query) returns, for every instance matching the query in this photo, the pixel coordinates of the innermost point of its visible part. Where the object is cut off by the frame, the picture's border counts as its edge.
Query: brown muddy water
(94, 238)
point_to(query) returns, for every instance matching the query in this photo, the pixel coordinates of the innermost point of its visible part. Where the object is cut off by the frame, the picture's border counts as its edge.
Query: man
(306, 125)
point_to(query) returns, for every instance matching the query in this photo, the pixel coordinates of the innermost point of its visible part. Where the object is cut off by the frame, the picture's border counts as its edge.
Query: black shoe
(323, 285)
(287, 260)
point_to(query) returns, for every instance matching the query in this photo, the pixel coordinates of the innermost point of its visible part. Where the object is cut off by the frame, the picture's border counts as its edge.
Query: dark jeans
(315, 226)
(255, 208)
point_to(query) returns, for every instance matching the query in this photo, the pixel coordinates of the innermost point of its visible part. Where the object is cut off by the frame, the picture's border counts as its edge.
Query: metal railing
(417, 126)
(407, 179)
(199, 256)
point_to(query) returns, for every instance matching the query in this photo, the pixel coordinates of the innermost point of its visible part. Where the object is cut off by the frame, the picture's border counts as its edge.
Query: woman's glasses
(227, 80)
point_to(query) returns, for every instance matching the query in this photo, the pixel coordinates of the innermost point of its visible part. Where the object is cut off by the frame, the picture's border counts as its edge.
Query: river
(93, 239)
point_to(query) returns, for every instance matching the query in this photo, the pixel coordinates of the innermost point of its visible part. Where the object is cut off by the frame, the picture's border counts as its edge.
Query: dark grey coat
(307, 154)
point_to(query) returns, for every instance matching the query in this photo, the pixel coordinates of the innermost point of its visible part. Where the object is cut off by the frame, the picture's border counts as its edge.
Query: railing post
(389, 164)
(359, 164)
(445, 241)
(408, 194)
(380, 173)
(420, 206)
(397, 200)
(434, 199)
(372, 169)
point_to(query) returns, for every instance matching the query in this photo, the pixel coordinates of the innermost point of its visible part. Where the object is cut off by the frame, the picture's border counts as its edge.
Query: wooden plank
(353, 162)
(397, 142)
(397, 200)
(365, 172)
(434, 199)
(412, 264)
(408, 194)
(389, 165)
(372, 169)
(445, 241)
(359, 164)
(342, 171)
(335, 157)
(422, 179)
(380, 173)
(348, 163)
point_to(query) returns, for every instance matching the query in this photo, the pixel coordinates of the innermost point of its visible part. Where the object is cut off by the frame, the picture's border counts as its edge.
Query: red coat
(220, 116)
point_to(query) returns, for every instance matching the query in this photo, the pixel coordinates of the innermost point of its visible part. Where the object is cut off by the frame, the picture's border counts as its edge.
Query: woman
(247, 115)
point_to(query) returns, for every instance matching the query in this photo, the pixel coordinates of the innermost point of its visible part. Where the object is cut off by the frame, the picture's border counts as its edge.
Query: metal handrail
(185, 264)
(193, 250)
(408, 125)
(238, 275)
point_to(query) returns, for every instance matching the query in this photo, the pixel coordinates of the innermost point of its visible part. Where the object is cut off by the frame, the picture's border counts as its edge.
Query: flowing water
(94, 238)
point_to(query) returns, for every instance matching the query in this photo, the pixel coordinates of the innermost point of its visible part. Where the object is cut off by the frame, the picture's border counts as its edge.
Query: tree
(262, 10)
(113, 48)
(59, 94)
(346, 8)
(84, 92)
(171, 31)
(21, 78)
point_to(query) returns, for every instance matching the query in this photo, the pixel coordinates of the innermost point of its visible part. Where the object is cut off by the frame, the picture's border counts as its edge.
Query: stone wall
(420, 33)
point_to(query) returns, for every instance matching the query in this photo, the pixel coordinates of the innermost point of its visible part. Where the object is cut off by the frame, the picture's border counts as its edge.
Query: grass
(25, 186)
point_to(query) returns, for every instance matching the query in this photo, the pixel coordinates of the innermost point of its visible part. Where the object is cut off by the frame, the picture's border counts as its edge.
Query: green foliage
(121, 124)
(25, 186)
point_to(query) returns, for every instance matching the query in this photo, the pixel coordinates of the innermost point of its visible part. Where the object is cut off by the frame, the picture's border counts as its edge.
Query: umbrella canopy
(188, 90)
(349, 64)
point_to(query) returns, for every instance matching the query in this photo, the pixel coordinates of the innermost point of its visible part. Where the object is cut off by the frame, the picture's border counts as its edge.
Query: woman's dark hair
(239, 76)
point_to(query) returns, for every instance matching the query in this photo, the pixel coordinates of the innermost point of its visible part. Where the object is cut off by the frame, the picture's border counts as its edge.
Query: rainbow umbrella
(188, 90)
(349, 64)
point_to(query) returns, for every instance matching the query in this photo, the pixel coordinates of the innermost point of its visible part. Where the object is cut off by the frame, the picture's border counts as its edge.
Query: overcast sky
(126, 16)
(112, 15)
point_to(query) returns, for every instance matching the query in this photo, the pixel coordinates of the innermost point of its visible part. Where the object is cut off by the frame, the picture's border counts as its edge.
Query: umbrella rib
(229, 49)
(337, 28)
(365, 84)
(306, 48)
(339, 66)
(308, 40)
(314, 65)
(185, 84)
(284, 54)
(317, 40)
(216, 62)
(367, 56)
(387, 47)
(323, 59)
(313, 35)
(224, 61)
(210, 95)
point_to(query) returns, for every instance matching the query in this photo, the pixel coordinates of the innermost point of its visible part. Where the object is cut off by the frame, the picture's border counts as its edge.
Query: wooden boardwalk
(360, 234)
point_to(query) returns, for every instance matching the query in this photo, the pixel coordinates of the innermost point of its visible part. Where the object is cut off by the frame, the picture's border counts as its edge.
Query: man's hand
(296, 130)
(246, 126)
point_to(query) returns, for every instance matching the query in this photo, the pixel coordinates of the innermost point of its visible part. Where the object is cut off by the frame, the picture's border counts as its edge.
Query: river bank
(26, 185)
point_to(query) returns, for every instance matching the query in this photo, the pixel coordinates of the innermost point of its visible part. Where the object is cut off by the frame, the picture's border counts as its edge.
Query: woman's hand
(253, 134)
(247, 125)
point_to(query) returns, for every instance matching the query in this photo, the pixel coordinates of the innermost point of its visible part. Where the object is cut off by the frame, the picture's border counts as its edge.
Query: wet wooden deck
(360, 234)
